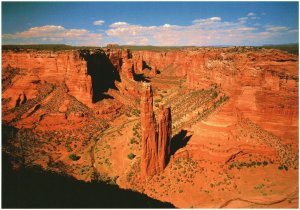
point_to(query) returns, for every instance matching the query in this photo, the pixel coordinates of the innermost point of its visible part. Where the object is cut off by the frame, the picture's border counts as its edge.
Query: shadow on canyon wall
(179, 140)
(31, 187)
(103, 73)
(141, 77)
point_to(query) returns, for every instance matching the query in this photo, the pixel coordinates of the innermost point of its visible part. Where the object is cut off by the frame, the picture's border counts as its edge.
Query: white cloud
(54, 33)
(201, 32)
(251, 14)
(293, 31)
(208, 31)
(243, 19)
(276, 28)
(118, 24)
(99, 22)
(215, 18)
(37, 32)
(211, 20)
(246, 29)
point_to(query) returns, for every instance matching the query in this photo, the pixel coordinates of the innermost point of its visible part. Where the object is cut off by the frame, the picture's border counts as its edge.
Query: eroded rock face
(148, 127)
(122, 60)
(156, 137)
(164, 134)
(175, 62)
(52, 67)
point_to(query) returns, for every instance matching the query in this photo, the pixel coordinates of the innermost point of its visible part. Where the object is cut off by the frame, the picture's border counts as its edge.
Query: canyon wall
(156, 135)
(122, 60)
(262, 83)
(237, 67)
(86, 73)
(174, 62)
(51, 67)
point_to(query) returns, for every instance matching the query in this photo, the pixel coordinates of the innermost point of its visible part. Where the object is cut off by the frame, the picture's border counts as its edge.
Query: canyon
(196, 127)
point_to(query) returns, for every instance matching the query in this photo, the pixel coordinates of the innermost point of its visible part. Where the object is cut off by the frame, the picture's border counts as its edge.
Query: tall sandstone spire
(164, 134)
(156, 137)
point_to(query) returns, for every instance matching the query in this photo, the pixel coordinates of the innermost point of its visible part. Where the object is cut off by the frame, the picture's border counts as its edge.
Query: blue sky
(150, 23)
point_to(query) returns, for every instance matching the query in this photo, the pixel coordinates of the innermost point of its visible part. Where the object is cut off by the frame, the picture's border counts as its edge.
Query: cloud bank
(54, 33)
(201, 32)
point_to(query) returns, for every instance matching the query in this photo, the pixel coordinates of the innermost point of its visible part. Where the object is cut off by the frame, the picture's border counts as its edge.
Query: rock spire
(156, 135)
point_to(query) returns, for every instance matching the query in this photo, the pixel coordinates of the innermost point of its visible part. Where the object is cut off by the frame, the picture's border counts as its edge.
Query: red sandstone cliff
(122, 60)
(164, 134)
(156, 136)
(51, 67)
(174, 62)
(262, 83)
(148, 127)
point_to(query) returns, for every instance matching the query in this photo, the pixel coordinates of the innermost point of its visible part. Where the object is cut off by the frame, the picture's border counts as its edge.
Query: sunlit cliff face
(231, 130)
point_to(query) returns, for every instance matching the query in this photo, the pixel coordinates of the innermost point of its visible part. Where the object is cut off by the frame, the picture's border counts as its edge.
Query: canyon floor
(232, 146)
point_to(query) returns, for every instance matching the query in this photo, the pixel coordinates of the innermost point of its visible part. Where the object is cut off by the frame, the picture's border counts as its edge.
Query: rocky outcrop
(262, 83)
(174, 62)
(122, 60)
(238, 67)
(52, 67)
(164, 134)
(156, 137)
(148, 128)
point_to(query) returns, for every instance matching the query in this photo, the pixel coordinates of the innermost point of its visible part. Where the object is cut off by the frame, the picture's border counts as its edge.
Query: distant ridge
(290, 47)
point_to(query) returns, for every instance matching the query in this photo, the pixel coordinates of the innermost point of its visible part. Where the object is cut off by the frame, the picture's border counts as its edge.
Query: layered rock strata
(45, 66)
(156, 136)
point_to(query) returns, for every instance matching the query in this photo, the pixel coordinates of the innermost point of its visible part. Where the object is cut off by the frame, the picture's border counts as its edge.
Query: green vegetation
(136, 112)
(215, 94)
(136, 131)
(74, 157)
(260, 186)
(265, 163)
(240, 165)
(133, 141)
(291, 48)
(131, 156)
(127, 114)
(157, 100)
(283, 167)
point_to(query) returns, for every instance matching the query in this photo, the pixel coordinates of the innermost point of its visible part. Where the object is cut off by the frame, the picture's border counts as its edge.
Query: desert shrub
(280, 167)
(74, 157)
(136, 112)
(265, 163)
(131, 156)
(259, 186)
(157, 100)
(127, 114)
(132, 141)
(215, 94)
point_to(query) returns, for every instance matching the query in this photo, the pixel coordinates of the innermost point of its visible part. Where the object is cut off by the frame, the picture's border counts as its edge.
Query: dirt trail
(292, 196)
(93, 159)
